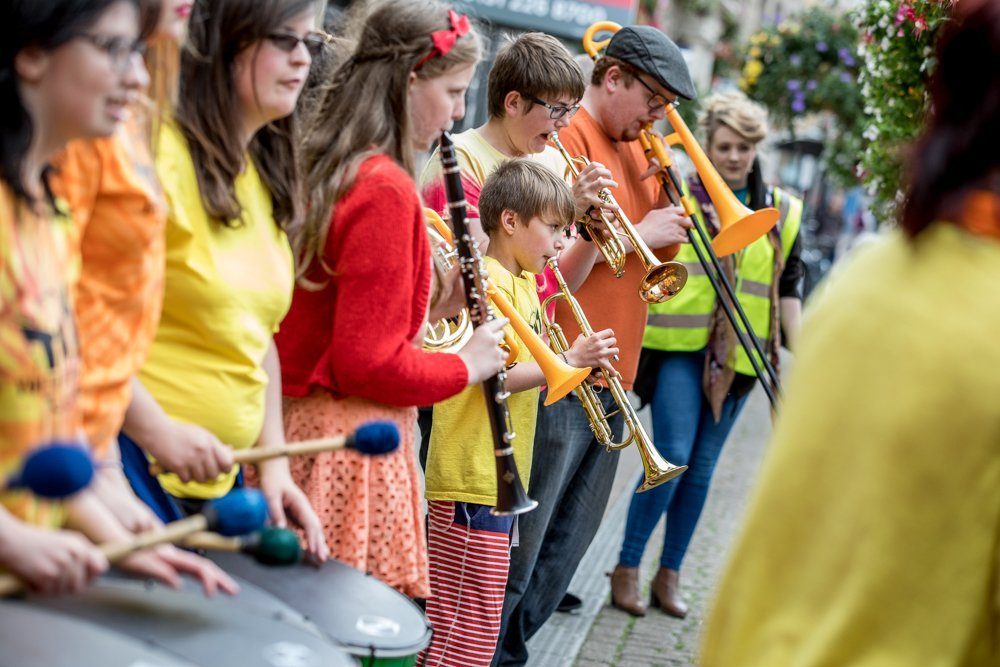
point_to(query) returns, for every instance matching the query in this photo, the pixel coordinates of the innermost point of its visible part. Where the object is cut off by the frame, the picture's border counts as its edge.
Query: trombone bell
(739, 232)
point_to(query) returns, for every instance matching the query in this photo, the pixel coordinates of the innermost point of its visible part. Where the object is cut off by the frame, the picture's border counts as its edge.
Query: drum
(369, 619)
(212, 632)
(33, 637)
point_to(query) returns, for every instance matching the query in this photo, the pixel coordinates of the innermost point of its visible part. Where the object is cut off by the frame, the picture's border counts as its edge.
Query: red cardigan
(354, 337)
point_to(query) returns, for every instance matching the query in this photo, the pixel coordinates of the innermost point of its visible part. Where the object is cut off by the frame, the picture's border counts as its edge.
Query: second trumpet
(656, 469)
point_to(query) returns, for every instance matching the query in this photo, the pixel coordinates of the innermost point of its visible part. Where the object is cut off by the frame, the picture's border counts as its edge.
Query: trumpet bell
(740, 228)
(654, 477)
(663, 282)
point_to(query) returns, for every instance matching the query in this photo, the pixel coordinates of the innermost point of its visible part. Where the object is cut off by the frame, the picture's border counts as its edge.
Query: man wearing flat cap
(640, 72)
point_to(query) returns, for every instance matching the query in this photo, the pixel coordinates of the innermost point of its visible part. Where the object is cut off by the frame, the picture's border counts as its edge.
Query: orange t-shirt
(610, 302)
(39, 362)
(112, 190)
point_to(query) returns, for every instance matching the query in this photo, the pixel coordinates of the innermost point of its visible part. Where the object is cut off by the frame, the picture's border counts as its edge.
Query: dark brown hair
(47, 26)
(207, 107)
(958, 149)
(526, 188)
(534, 64)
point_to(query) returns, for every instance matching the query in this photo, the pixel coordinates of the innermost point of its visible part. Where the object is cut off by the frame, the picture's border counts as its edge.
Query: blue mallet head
(375, 438)
(239, 512)
(54, 471)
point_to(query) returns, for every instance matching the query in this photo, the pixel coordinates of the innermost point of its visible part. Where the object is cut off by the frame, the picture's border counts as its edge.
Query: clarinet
(511, 497)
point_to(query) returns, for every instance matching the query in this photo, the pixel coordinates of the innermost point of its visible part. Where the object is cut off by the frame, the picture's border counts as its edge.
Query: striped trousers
(469, 556)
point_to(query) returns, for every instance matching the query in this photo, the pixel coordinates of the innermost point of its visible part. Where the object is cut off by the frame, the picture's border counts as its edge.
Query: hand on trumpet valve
(663, 227)
(596, 351)
(587, 188)
(483, 355)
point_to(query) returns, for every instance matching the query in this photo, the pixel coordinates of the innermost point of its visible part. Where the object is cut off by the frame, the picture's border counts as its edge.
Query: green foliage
(897, 45)
(809, 65)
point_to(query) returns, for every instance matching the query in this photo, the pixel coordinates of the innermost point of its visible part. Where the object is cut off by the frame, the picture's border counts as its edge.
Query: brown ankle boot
(666, 593)
(625, 590)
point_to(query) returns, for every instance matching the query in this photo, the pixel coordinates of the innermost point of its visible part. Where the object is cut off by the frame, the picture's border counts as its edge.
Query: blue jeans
(685, 433)
(571, 478)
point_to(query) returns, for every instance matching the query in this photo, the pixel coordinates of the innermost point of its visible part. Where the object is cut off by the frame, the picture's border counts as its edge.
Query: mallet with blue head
(57, 470)
(372, 438)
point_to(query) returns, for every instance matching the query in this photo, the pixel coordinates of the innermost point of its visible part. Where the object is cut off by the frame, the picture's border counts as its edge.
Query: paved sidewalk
(601, 636)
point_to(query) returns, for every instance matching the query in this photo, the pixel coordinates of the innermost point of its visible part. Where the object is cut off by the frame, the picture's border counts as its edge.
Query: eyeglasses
(656, 100)
(286, 41)
(556, 111)
(118, 49)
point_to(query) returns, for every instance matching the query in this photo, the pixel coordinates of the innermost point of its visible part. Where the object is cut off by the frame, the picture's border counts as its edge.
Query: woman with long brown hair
(225, 159)
(350, 344)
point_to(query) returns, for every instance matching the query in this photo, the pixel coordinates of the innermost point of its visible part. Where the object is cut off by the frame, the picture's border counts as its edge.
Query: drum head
(32, 637)
(359, 612)
(214, 632)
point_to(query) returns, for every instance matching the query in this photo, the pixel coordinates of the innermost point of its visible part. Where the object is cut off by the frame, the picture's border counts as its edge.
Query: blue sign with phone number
(563, 18)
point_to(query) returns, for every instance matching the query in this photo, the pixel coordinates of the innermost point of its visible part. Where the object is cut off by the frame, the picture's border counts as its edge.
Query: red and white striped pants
(469, 556)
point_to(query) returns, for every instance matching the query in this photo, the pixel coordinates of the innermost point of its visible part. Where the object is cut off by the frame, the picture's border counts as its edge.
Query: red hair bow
(444, 40)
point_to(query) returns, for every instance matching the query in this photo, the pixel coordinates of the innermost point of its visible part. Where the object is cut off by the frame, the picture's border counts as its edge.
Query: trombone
(740, 226)
(656, 469)
(560, 377)
(663, 280)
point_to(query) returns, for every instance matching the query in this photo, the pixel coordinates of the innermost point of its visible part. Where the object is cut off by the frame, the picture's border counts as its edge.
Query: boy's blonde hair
(533, 64)
(526, 188)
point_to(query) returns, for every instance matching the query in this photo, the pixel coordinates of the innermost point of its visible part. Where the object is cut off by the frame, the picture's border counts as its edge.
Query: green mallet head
(274, 546)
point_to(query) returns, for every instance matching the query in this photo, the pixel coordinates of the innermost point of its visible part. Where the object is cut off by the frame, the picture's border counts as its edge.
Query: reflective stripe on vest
(682, 324)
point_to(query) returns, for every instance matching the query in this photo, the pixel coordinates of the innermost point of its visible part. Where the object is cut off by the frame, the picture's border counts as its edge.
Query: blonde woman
(694, 372)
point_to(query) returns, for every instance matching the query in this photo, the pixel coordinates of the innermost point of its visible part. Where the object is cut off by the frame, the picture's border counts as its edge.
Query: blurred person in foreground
(874, 538)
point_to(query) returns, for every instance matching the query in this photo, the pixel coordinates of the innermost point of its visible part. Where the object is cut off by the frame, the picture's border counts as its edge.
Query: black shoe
(569, 603)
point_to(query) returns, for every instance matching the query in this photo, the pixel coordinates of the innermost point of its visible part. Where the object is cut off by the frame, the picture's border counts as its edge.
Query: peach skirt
(371, 507)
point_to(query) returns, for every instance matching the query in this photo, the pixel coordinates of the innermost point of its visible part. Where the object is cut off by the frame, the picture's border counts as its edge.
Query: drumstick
(54, 471)
(269, 546)
(378, 437)
(238, 513)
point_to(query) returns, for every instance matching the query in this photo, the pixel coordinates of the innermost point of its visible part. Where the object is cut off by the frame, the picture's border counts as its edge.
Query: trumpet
(663, 280)
(656, 469)
(560, 377)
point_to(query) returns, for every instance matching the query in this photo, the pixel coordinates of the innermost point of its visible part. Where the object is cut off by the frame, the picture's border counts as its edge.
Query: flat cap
(655, 54)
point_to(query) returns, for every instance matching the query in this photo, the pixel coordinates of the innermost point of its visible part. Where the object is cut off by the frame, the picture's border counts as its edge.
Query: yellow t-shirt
(39, 356)
(227, 290)
(874, 536)
(460, 461)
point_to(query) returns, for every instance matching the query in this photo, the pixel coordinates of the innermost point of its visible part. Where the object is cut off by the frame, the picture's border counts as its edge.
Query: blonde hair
(362, 108)
(737, 112)
(526, 188)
